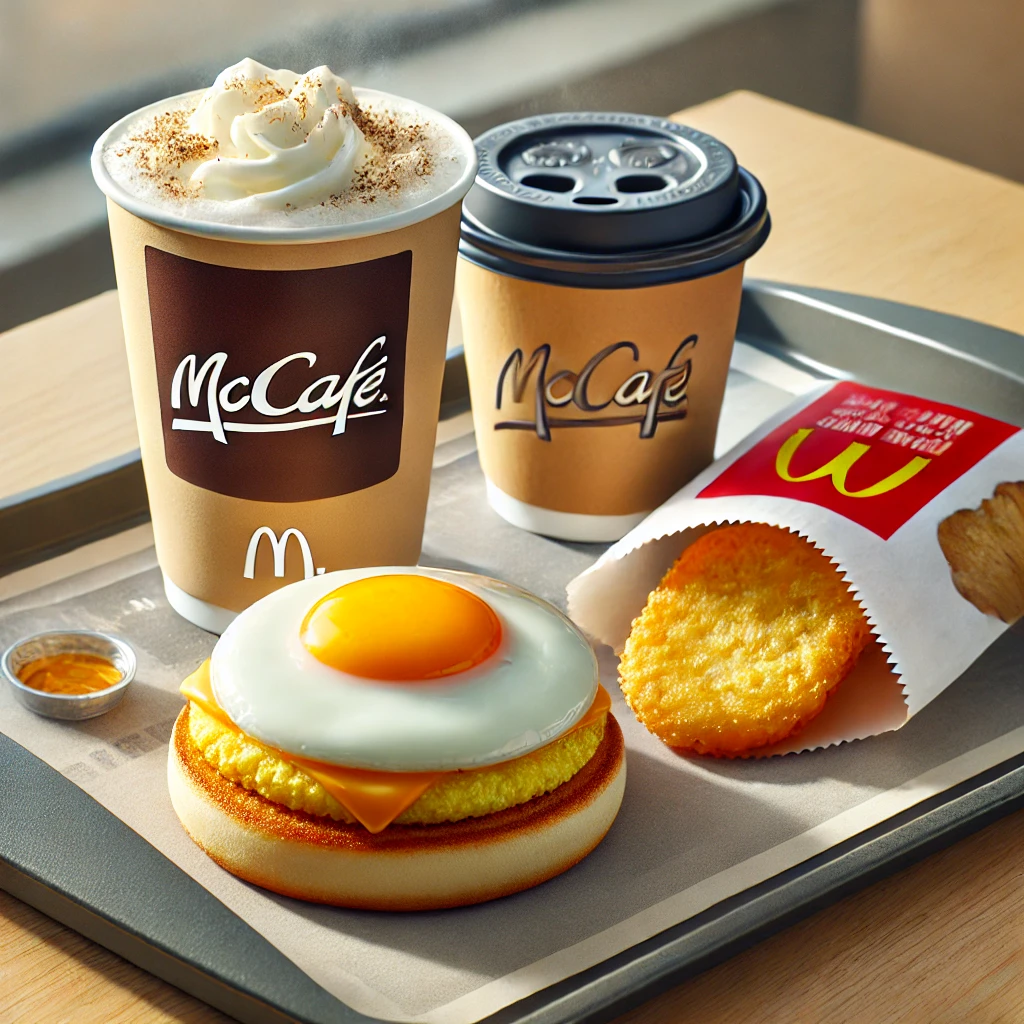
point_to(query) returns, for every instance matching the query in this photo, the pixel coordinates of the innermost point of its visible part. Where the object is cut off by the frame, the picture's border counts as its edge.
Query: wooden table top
(942, 941)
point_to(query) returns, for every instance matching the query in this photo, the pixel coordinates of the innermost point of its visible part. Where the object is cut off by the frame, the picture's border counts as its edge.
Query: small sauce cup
(68, 706)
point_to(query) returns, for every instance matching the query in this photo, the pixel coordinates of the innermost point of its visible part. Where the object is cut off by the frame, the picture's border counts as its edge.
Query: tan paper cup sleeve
(591, 401)
(287, 398)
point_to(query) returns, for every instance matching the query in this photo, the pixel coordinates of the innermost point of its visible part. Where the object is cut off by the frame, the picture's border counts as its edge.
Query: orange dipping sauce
(70, 673)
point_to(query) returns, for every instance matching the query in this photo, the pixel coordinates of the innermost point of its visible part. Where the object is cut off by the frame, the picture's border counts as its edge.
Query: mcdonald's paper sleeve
(919, 504)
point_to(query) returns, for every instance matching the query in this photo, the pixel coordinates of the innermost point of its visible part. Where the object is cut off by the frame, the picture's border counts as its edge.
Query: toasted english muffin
(403, 867)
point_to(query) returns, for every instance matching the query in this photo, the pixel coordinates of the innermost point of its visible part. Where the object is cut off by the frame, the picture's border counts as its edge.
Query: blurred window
(73, 67)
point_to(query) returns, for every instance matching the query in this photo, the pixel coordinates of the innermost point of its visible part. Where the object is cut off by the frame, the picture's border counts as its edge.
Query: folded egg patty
(456, 795)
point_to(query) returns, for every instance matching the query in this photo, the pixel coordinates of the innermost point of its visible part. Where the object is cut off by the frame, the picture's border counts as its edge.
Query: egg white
(539, 683)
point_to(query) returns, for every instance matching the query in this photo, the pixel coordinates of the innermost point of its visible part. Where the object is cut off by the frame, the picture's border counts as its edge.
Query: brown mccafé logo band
(280, 385)
(658, 395)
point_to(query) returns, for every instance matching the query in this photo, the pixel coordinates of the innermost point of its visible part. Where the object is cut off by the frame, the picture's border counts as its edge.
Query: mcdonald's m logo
(837, 469)
(858, 452)
(279, 549)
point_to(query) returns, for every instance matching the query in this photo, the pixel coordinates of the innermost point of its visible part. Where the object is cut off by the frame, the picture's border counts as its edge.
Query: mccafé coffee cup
(599, 284)
(286, 381)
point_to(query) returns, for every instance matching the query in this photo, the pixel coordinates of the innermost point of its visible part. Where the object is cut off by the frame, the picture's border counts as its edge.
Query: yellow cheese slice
(374, 799)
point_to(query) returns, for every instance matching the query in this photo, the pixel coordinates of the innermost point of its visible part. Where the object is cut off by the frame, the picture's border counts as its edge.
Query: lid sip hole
(633, 183)
(549, 182)
(595, 200)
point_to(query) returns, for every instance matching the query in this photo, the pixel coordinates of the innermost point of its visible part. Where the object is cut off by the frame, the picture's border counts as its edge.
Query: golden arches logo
(839, 467)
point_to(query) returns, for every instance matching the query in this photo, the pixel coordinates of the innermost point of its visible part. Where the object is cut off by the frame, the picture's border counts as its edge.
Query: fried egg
(403, 669)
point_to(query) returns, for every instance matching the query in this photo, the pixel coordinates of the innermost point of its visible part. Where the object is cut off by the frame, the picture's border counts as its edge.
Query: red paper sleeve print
(876, 457)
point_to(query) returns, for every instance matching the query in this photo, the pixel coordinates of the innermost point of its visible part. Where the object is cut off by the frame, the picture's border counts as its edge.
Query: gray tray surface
(145, 908)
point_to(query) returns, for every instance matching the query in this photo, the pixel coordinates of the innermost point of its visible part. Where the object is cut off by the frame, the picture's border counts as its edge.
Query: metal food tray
(143, 907)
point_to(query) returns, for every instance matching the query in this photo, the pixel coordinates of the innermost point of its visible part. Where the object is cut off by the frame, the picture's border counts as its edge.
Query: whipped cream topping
(271, 150)
(284, 139)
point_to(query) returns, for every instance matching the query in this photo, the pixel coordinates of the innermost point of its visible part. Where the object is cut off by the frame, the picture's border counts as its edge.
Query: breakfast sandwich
(742, 642)
(397, 739)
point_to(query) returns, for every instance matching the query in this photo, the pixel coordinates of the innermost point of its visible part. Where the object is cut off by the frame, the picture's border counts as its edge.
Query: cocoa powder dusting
(266, 91)
(167, 143)
(398, 156)
(175, 188)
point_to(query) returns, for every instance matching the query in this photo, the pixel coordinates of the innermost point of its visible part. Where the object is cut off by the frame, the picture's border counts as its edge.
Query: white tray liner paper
(691, 832)
(926, 633)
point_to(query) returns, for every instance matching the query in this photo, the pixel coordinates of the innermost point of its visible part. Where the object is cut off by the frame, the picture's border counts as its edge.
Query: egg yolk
(401, 627)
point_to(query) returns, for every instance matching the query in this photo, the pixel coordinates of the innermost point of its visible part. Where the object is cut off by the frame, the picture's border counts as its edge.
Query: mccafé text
(657, 395)
(201, 385)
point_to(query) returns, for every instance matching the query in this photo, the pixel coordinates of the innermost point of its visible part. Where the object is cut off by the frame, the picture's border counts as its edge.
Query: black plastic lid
(629, 198)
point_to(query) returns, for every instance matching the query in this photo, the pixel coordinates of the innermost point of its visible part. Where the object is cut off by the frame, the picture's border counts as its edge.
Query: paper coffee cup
(286, 387)
(599, 287)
